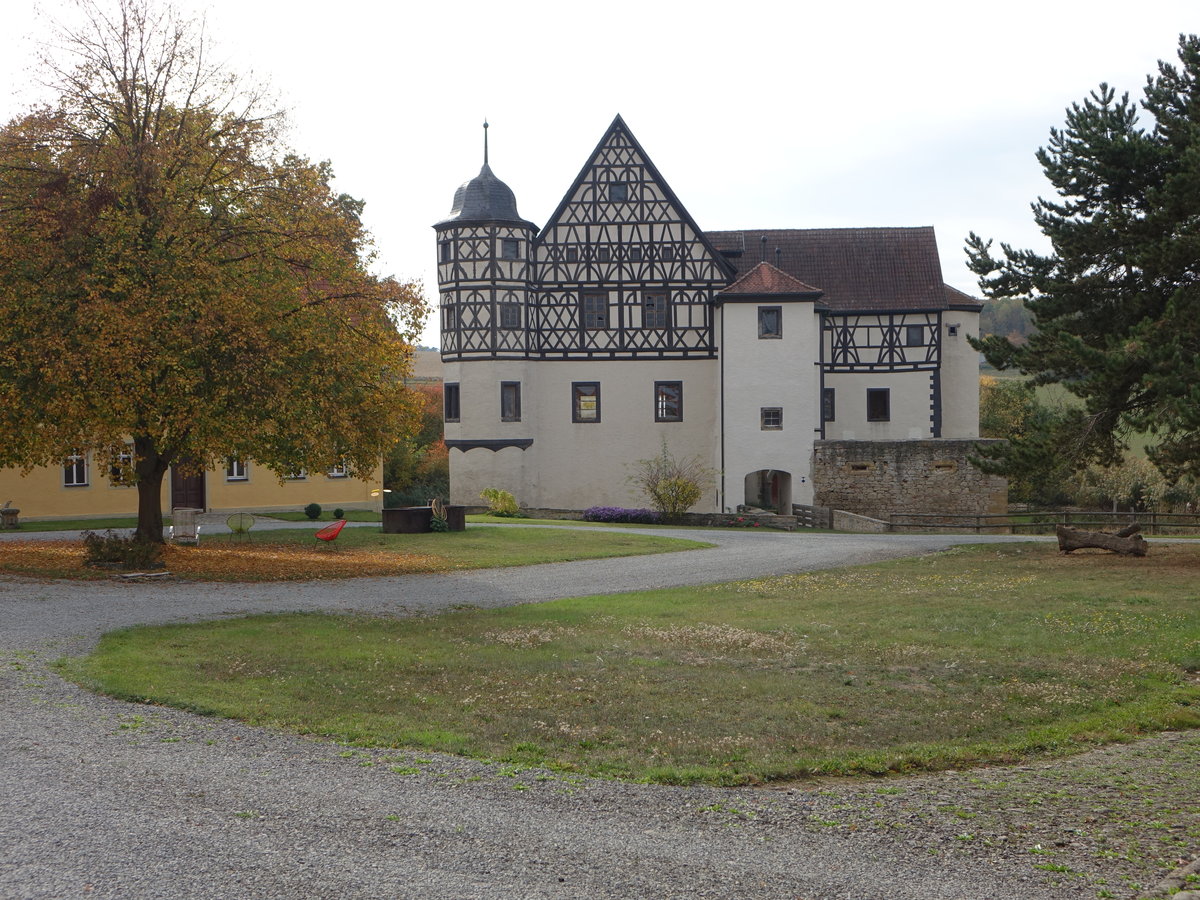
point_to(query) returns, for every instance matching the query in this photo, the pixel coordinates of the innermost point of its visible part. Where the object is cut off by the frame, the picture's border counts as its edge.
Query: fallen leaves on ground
(224, 562)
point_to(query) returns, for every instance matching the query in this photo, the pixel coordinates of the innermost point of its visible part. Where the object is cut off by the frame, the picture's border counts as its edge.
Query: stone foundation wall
(921, 477)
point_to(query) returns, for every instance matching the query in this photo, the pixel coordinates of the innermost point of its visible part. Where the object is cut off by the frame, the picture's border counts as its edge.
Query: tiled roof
(959, 300)
(856, 268)
(764, 278)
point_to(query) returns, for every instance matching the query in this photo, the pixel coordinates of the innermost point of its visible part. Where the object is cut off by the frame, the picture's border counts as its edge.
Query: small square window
(75, 470)
(770, 321)
(668, 401)
(236, 470)
(510, 315)
(341, 470)
(879, 405)
(572, 254)
(667, 253)
(510, 248)
(510, 401)
(828, 405)
(952, 330)
(771, 418)
(914, 335)
(654, 310)
(450, 401)
(595, 311)
(297, 475)
(603, 254)
(618, 192)
(635, 254)
(585, 401)
(445, 251)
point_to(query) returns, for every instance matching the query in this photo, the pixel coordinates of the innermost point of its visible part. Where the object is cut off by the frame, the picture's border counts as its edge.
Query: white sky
(759, 115)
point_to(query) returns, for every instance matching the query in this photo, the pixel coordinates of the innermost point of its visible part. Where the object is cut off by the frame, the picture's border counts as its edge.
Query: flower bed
(619, 514)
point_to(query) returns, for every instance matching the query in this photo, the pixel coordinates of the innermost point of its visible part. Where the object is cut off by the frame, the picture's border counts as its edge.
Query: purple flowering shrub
(618, 514)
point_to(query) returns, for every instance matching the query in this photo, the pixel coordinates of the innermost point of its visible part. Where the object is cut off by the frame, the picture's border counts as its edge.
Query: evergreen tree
(1116, 302)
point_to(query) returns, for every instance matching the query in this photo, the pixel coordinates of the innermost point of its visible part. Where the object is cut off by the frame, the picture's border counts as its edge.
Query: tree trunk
(150, 468)
(1127, 541)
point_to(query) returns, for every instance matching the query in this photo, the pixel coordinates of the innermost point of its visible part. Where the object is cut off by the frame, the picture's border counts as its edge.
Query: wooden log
(1126, 542)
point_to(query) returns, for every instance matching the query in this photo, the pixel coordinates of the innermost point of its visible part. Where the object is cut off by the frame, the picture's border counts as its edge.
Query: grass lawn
(982, 654)
(351, 515)
(295, 555)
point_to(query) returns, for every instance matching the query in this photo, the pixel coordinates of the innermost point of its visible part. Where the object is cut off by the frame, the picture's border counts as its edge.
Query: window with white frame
(341, 470)
(75, 470)
(120, 469)
(236, 470)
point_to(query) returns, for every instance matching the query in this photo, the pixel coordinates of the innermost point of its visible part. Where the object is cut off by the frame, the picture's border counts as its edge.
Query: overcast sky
(767, 115)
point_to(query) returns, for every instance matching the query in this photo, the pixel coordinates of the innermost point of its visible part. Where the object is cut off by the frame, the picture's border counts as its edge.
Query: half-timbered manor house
(572, 351)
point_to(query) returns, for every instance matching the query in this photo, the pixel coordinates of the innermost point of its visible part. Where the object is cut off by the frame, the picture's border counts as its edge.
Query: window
(618, 192)
(668, 401)
(445, 251)
(635, 254)
(879, 405)
(572, 254)
(341, 470)
(235, 470)
(585, 401)
(510, 401)
(450, 401)
(771, 418)
(510, 248)
(449, 317)
(770, 321)
(603, 254)
(297, 475)
(120, 470)
(828, 405)
(668, 253)
(654, 310)
(914, 335)
(595, 311)
(75, 470)
(510, 315)
(952, 330)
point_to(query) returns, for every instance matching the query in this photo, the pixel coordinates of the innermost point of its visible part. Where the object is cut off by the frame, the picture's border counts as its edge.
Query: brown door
(187, 491)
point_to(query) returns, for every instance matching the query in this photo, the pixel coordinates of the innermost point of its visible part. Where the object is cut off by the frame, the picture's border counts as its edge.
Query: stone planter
(407, 520)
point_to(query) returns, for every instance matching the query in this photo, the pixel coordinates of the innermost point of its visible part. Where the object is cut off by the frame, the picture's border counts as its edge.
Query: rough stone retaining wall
(885, 478)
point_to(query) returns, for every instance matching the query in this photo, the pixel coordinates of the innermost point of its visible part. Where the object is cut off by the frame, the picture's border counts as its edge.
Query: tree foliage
(171, 276)
(1116, 302)
(418, 466)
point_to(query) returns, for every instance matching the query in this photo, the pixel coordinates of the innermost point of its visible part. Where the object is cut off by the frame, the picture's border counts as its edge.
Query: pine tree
(1117, 300)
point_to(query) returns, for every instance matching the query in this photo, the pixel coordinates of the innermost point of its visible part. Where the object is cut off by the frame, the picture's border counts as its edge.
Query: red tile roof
(764, 278)
(856, 268)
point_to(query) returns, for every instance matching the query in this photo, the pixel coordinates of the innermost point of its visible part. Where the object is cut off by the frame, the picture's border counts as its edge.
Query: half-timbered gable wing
(882, 290)
(622, 267)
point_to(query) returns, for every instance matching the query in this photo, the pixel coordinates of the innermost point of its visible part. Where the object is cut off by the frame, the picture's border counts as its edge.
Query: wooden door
(187, 491)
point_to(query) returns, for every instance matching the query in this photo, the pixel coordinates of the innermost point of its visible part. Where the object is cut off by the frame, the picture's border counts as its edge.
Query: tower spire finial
(485, 146)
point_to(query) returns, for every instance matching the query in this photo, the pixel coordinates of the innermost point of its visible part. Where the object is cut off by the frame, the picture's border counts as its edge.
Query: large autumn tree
(1116, 301)
(172, 278)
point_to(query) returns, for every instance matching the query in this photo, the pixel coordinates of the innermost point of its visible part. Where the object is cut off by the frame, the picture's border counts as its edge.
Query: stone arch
(770, 489)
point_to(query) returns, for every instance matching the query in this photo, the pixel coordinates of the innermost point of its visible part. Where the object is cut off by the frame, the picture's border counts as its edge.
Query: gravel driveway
(100, 798)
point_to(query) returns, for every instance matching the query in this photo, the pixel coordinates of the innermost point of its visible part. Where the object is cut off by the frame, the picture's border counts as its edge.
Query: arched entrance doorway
(770, 489)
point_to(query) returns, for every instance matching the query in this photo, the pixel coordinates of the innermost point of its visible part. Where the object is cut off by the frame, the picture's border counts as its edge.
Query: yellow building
(85, 486)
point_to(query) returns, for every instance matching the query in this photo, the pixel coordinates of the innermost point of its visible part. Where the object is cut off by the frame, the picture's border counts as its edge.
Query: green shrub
(673, 486)
(339, 513)
(110, 550)
(501, 503)
(313, 510)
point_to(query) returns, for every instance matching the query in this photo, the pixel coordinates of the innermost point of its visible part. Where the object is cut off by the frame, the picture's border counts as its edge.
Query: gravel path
(100, 798)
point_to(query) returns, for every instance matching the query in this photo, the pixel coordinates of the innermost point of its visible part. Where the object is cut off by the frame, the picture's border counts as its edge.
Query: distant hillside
(1007, 318)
